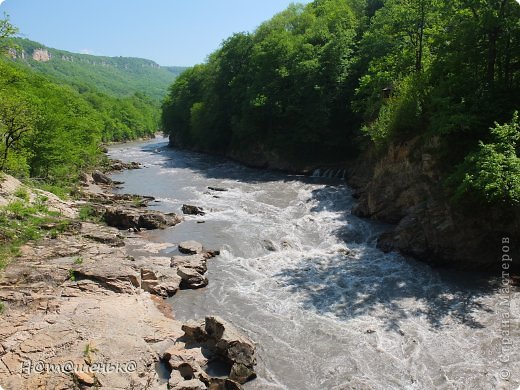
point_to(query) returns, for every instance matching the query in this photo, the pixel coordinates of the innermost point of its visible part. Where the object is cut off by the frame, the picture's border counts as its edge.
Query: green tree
(492, 173)
(7, 30)
(17, 120)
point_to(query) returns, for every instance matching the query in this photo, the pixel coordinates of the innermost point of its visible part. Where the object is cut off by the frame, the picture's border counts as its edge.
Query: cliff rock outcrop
(405, 187)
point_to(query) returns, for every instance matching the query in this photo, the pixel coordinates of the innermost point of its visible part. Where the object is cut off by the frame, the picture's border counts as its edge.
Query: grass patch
(2, 307)
(78, 260)
(21, 222)
(61, 192)
(22, 193)
(88, 213)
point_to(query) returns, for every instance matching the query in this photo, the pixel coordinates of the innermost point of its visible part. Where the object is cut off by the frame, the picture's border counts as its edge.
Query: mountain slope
(117, 76)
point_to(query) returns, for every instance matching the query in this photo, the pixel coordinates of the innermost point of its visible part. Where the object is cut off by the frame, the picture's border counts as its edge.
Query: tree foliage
(114, 76)
(52, 130)
(7, 30)
(280, 87)
(492, 173)
(320, 81)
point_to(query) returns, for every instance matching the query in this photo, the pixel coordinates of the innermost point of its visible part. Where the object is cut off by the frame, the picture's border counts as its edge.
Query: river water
(302, 277)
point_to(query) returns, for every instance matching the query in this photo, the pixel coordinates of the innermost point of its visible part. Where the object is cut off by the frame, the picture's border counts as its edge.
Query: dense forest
(53, 118)
(327, 81)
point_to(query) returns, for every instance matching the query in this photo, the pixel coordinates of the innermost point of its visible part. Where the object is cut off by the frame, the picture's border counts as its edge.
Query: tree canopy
(52, 129)
(322, 81)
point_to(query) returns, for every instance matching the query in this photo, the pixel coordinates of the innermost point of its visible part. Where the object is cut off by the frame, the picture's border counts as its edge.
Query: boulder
(190, 247)
(166, 289)
(194, 330)
(177, 382)
(155, 221)
(112, 276)
(186, 365)
(129, 218)
(192, 210)
(84, 378)
(104, 237)
(118, 165)
(196, 262)
(225, 342)
(101, 178)
(121, 218)
(164, 284)
(191, 278)
(241, 373)
(233, 346)
(211, 253)
(215, 327)
(224, 384)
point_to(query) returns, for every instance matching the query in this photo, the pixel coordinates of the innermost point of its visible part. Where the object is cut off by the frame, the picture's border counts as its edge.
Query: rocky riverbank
(79, 312)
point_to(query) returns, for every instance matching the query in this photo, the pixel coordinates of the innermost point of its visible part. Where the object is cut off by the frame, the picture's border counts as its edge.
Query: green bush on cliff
(492, 173)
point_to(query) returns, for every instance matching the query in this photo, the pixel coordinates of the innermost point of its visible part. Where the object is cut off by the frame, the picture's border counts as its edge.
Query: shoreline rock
(223, 341)
(78, 296)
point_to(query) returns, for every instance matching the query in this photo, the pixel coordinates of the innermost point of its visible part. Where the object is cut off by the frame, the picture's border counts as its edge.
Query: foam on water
(302, 277)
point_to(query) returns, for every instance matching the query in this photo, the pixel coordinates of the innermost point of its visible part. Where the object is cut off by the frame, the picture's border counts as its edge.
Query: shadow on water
(366, 281)
(216, 167)
(347, 288)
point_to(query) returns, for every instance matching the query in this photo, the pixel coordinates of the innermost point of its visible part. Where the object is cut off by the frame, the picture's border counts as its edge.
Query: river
(303, 278)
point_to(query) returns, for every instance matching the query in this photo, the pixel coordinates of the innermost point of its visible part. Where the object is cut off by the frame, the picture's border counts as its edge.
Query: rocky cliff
(404, 186)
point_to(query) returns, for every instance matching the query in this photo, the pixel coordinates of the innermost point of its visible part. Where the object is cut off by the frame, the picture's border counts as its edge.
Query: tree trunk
(492, 56)
(420, 39)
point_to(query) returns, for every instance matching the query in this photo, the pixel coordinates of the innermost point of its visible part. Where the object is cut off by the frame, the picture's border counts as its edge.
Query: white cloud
(1, 1)
(84, 51)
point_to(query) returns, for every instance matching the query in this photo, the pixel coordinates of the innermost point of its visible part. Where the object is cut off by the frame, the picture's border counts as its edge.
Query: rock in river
(192, 210)
(224, 341)
(190, 247)
(157, 220)
(127, 218)
(191, 278)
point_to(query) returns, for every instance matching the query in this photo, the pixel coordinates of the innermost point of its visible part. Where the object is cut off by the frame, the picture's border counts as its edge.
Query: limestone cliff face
(405, 187)
(41, 55)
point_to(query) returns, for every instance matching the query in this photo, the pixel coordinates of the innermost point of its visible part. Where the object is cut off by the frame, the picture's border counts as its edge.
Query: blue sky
(170, 32)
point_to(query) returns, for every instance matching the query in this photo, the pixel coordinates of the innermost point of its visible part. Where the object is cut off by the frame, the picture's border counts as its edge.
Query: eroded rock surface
(80, 299)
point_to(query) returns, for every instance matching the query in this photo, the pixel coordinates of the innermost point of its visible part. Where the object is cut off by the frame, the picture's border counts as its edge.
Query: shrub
(492, 173)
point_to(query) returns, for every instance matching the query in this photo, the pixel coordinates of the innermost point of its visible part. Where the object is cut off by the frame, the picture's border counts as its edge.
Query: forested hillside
(53, 117)
(118, 76)
(322, 82)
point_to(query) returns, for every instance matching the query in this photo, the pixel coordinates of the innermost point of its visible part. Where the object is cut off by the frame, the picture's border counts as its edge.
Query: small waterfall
(330, 173)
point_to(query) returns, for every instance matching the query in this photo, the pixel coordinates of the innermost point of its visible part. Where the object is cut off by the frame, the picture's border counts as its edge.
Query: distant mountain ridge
(117, 76)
